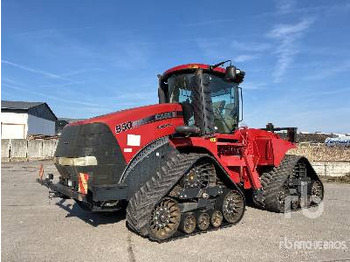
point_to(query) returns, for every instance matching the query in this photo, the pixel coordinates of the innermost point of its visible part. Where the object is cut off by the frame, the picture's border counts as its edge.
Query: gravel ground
(35, 228)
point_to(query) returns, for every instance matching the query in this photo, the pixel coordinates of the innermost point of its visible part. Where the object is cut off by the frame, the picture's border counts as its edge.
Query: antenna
(220, 64)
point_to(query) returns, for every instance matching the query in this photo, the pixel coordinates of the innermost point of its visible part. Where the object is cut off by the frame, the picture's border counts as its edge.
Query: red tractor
(182, 166)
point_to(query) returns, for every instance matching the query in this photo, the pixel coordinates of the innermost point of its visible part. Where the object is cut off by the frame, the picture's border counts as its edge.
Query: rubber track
(140, 206)
(273, 181)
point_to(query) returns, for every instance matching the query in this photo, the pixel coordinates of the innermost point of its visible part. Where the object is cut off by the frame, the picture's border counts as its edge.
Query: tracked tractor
(182, 166)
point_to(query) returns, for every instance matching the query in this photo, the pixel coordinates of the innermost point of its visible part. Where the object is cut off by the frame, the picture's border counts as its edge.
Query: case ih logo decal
(157, 117)
(164, 116)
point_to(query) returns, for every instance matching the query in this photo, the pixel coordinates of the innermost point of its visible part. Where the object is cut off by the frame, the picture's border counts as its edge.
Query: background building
(20, 119)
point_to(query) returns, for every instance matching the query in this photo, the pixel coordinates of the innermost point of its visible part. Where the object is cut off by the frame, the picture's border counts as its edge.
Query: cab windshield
(223, 94)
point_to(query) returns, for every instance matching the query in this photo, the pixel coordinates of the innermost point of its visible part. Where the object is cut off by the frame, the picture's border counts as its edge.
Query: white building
(20, 119)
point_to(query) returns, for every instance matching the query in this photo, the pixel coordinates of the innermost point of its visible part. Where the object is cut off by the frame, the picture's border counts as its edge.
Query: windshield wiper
(223, 119)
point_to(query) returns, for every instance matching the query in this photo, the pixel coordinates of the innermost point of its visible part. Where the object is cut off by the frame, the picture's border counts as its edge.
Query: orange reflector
(83, 183)
(41, 171)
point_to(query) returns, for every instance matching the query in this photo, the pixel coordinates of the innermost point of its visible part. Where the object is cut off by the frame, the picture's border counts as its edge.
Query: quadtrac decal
(157, 117)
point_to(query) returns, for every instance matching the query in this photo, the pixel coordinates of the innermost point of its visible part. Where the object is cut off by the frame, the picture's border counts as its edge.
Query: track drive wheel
(233, 206)
(165, 219)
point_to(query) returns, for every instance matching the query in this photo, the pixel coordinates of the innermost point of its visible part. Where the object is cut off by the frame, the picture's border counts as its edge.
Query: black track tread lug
(146, 198)
(273, 181)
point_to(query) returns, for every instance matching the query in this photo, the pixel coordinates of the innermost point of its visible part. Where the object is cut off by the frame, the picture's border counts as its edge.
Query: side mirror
(231, 73)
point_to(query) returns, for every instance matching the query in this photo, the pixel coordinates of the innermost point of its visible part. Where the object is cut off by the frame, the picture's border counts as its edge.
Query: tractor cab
(209, 95)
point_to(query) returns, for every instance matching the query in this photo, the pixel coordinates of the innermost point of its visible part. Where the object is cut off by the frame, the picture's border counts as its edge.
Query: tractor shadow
(93, 219)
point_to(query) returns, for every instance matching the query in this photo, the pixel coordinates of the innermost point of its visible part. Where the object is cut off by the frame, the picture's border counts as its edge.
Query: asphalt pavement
(35, 228)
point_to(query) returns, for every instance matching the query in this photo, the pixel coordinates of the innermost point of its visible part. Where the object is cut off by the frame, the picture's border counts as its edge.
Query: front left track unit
(163, 208)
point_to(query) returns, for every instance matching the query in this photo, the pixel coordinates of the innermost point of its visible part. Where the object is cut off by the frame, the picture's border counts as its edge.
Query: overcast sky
(86, 58)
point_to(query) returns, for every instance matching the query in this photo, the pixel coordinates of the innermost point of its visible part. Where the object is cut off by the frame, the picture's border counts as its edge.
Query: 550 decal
(123, 127)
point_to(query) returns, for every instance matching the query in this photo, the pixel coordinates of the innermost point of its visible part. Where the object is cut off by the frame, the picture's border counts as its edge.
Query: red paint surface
(243, 154)
(148, 132)
(193, 66)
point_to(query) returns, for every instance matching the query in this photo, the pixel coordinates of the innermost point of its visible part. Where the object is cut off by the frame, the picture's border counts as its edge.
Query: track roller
(188, 223)
(216, 218)
(203, 221)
